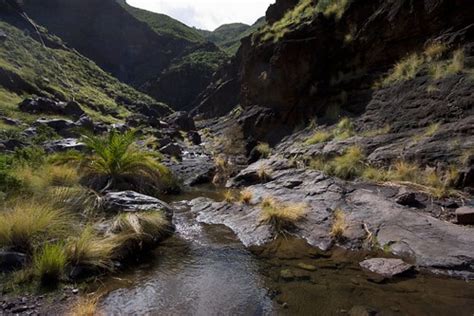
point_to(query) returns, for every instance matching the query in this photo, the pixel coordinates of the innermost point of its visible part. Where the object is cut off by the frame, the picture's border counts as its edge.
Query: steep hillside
(146, 46)
(164, 25)
(228, 36)
(55, 71)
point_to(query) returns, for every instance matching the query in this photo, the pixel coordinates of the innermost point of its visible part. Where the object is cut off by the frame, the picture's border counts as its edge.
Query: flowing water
(204, 270)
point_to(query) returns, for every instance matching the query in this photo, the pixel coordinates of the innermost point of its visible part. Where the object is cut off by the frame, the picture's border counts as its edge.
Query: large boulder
(63, 127)
(48, 106)
(131, 201)
(181, 120)
(65, 144)
(10, 261)
(465, 215)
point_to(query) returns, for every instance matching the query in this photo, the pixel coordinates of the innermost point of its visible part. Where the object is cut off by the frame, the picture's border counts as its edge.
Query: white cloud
(207, 14)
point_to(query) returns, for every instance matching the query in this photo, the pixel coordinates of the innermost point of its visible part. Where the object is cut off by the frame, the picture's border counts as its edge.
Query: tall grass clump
(319, 137)
(90, 250)
(344, 129)
(334, 8)
(29, 223)
(339, 224)
(347, 166)
(281, 216)
(264, 149)
(405, 69)
(138, 230)
(117, 163)
(49, 263)
(453, 66)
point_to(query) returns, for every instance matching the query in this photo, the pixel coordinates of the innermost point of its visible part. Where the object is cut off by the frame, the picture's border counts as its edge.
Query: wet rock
(130, 201)
(194, 169)
(73, 109)
(181, 120)
(162, 142)
(294, 275)
(387, 268)
(172, 149)
(65, 144)
(61, 126)
(465, 215)
(10, 261)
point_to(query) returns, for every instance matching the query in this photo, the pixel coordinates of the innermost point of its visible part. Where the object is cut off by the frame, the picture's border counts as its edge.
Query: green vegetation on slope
(200, 58)
(59, 73)
(228, 36)
(164, 25)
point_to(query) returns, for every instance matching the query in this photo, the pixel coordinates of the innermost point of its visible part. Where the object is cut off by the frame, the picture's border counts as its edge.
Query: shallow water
(204, 270)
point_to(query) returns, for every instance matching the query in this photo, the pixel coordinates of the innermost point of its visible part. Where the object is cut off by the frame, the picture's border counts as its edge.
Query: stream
(205, 270)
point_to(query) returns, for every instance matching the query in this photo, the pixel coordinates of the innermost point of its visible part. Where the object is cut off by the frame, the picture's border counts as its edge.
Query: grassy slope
(59, 73)
(228, 36)
(165, 25)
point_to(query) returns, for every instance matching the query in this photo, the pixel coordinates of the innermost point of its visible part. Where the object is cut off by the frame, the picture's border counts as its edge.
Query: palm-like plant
(117, 163)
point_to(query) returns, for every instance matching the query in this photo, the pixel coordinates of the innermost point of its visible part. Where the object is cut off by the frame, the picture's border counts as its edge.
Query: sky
(207, 14)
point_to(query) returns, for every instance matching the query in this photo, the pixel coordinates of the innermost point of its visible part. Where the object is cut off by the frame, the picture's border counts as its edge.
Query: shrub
(435, 50)
(264, 173)
(86, 306)
(344, 129)
(281, 216)
(49, 263)
(347, 166)
(229, 196)
(339, 224)
(318, 137)
(28, 223)
(405, 69)
(441, 70)
(118, 164)
(264, 150)
(32, 156)
(88, 249)
(334, 8)
(246, 196)
(405, 171)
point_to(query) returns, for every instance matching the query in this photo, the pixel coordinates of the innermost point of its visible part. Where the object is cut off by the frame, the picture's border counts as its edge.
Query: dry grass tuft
(229, 196)
(264, 173)
(405, 69)
(264, 149)
(339, 224)
(28, 223)
(85, 306)
(281, 216)
(246, 196)
(319, 137)
(49, 263)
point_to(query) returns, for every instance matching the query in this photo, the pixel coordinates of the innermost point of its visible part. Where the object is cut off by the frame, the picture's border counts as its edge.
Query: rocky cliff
(399, 63)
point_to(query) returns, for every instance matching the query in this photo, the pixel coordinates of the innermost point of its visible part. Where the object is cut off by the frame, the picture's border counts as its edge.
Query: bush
(49, 263)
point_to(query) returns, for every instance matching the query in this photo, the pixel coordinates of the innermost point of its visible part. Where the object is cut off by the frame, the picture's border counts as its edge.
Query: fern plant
(116, 163)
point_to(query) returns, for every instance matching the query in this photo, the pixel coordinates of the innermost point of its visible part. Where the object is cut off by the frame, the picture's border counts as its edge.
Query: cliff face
(129, 43)
(323, 62)
(327, 59)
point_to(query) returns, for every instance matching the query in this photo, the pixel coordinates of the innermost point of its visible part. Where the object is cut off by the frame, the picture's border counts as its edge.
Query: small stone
(386, 268)
(75, 291)
(285, 305)
(465, 215)
(307, 267)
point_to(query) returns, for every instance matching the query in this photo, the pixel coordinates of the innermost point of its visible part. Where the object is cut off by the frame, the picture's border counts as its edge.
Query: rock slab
(387, 268)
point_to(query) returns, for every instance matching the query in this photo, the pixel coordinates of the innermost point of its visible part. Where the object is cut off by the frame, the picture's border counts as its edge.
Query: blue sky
(207, 14)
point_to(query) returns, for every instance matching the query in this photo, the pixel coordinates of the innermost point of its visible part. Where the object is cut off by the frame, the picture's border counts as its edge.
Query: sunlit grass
(281, 216)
